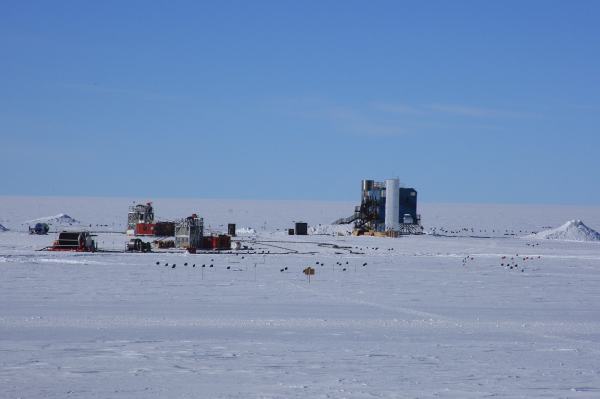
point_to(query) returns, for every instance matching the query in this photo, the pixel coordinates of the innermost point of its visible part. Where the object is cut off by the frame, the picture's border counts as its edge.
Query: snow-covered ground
(447, 315)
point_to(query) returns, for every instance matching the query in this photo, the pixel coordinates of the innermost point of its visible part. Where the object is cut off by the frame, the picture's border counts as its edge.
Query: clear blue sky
(467, 101)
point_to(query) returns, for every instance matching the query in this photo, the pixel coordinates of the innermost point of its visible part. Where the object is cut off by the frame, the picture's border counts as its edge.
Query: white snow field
(449, 315)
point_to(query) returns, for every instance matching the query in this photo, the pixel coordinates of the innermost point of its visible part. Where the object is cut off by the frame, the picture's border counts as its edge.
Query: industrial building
(140, 222)
(189, 232)
(386, 208)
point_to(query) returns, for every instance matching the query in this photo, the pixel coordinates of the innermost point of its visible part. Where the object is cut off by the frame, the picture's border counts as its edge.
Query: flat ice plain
(427, 317)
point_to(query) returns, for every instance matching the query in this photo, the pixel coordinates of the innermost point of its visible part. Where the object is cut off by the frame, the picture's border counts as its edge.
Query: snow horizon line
(143, 199)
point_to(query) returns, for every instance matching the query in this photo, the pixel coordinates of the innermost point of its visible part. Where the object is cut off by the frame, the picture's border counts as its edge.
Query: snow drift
(331, 229)
(245, 231)
(61, 218)
(573, 230)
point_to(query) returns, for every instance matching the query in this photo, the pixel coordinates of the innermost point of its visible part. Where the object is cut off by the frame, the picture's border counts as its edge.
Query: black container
(231, 229)
(301, 228)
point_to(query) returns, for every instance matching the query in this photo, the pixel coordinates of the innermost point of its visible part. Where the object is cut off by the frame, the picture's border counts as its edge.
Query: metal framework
(189, 232)
(140, 213)
(370, 215)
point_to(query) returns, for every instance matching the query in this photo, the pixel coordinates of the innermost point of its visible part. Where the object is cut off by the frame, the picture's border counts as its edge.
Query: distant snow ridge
(573, 230)
(61, 218)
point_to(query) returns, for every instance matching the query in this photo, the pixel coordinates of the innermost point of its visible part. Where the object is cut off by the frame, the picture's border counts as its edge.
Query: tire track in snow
(535, 329)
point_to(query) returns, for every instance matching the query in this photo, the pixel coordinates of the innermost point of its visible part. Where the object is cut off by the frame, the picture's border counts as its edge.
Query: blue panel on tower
(408, 203)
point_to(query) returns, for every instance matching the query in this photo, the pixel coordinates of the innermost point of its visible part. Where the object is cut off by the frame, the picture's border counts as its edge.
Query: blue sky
(467, 101)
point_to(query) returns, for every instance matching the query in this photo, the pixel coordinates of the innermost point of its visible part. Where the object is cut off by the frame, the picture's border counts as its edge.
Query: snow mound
(331, 229)
(245, 231)
(2, 228)
(573, 230)
(61, 218)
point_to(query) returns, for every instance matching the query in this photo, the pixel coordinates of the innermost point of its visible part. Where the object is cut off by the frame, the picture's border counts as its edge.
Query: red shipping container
(144, 229)
(206, 243)
(224, 242)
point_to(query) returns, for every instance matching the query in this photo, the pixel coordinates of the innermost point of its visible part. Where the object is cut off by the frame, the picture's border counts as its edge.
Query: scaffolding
(140, 214)
(370, 216)
(189, 232)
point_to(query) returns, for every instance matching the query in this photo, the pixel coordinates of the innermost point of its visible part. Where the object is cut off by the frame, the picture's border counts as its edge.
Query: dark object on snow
(78, 241)
(164, 244)
(164, 229)
(301, 228)
(39, 229)
(231, 229)
(137, 245)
